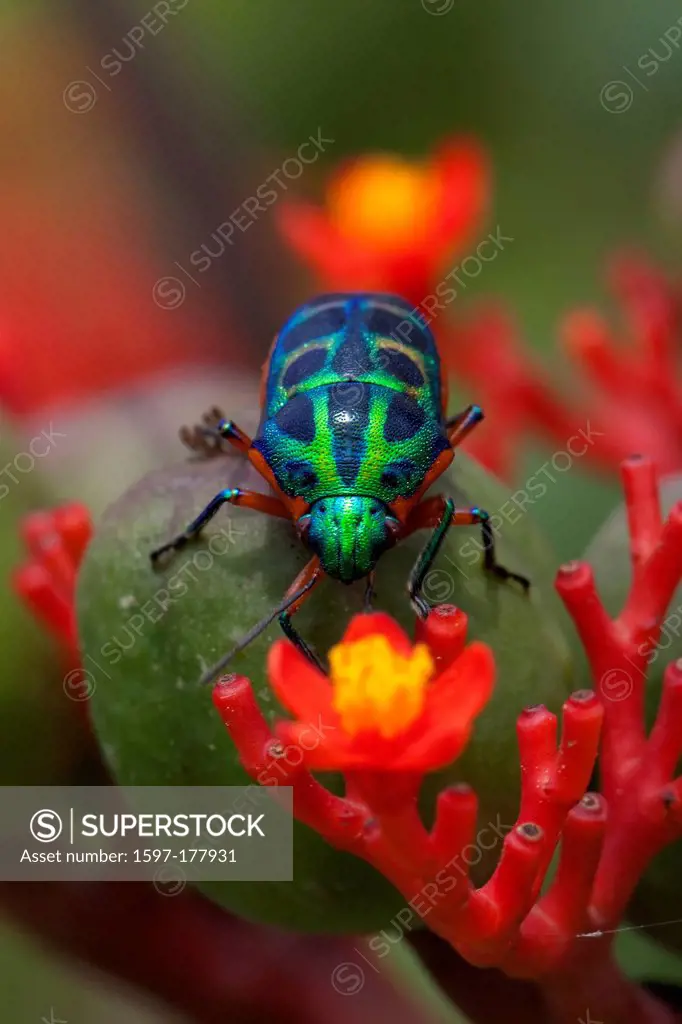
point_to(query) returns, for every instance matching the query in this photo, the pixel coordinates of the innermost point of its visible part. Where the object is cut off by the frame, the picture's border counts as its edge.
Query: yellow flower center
(376, 688)
(384, 201)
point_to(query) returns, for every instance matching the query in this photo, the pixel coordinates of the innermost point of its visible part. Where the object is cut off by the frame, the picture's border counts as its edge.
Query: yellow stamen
(376, 688)
(384, 201)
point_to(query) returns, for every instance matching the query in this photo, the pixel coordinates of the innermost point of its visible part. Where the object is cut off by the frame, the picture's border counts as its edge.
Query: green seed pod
(609, 555)
(154, 632)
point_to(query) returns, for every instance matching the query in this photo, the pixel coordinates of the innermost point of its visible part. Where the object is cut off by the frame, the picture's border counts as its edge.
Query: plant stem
(590, 987)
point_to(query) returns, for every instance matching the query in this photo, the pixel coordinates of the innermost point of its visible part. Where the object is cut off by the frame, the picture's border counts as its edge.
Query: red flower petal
(432, 741)
(436, 748)
(321, 749)
(300, 687)
(464, 688)
(452, 704)
(378, 622)
(314, 238)
(465, 183)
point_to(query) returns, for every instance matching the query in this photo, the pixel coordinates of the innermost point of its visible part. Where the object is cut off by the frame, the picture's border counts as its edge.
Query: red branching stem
(593, 345)
(492, 914)
(456, 814)
(56, 542)
(575, 583)
(643, 508)
(651, 312)
(665, 739)
(644, 800)
(74, 526)
(591, 980)
(561, 938)
(266, 761)
(395, 817)
(644, 814)
(50, 606)
(659, 575)
(379, 819)
(553, 781)
(618, 649)
(628, 392)
(518, 391)
(582, 722)
(614, 648)
(548, 932)
(234, 698)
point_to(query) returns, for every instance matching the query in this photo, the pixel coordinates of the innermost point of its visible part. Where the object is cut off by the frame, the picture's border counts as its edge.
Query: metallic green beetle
(353, 433)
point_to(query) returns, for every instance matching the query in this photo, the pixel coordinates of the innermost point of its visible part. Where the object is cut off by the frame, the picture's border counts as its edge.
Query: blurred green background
(97, 204)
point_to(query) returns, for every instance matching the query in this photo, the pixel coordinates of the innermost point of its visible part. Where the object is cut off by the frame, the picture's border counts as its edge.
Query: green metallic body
(352, 434)
(353, 401)
(352, 422)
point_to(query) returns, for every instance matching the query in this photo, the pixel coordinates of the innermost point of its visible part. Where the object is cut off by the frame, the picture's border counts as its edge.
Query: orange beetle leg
(310, 574)
(460, 426)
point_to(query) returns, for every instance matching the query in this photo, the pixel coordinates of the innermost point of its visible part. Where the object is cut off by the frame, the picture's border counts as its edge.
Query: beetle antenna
(212, 672)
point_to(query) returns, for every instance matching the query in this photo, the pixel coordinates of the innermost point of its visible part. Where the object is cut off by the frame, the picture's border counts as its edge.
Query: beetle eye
(322, 508)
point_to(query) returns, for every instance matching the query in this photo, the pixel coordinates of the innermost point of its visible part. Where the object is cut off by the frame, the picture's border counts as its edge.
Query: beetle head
(348, 534)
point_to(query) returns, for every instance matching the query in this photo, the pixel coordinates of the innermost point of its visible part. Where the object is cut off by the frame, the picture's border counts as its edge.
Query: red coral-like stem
(267, 761)
(631, 398)
(561, 937)
(378, 819)
(549, 931)
(518, 393)
(553, 781)
(644, 800)
(637, 378)
(56, 542)
(665, 739)
(619, 649)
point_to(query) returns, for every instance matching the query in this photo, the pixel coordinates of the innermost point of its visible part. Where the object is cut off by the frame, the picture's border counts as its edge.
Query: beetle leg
(473, 516)
(308, 578)
(310, 574)
(206, 437)
(445, 509)
(441, 513)
(369, 592)
(234, 496)
(462, 424)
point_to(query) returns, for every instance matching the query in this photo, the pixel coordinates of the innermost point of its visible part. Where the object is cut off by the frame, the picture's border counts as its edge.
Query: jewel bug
(353, 432)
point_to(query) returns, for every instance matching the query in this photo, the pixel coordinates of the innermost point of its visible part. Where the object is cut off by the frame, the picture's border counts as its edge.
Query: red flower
(381, 706)
(389, 223)
(379, 819)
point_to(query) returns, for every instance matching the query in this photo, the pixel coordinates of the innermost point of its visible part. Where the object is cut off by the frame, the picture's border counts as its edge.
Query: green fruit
(609, 554)
(157, 727)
